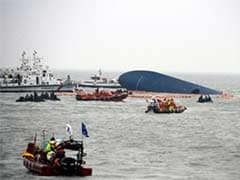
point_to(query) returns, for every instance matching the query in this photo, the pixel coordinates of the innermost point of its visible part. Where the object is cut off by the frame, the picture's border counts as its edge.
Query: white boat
(30, 76)
(98, 81)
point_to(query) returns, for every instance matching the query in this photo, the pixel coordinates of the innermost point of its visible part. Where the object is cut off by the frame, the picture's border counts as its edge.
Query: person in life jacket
(50, 149)
(164, 105)
(171, 105)
(97, 91)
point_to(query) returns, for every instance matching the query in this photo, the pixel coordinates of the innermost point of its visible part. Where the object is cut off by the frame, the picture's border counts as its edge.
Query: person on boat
(97, 91)
(42, 95)
(165, 101)
(31, 98)
(163, 105)
(35, 95)
(159, 101)
(204, 97)
(171, 105)
(119, 91)
(21, 99)
(153, 106)
(46, 95)
(50, 149)
(60, 154)
(52, 95)
(201, 98)
(160, 105)
(27, 97)
(209, 98)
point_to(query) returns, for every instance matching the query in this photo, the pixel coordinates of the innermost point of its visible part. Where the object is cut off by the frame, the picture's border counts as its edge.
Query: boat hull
(178, 109)
(151, 81)
(47, 170)
(34, 88)
(118, 97)
(39, 88)
(205, 101)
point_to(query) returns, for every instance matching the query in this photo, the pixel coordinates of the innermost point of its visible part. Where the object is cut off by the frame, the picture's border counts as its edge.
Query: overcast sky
(160, 35)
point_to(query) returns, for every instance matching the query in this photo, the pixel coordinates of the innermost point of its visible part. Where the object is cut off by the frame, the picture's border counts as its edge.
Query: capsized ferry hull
(151, 81)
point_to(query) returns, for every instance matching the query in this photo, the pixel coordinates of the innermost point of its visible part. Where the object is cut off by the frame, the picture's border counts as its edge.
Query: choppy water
(125, 143)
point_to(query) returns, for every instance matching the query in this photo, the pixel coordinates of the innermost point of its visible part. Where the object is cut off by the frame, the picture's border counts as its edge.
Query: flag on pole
(69, 129)
(84, 130)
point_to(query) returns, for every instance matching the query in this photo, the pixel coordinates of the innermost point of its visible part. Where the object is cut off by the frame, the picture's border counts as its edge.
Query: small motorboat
(204, 99)
(35, 159)
(38, 98)
(103, 95)
(30, 98)
(166, 106)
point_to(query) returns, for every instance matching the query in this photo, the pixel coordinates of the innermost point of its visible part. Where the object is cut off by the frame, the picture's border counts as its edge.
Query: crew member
(50, 149)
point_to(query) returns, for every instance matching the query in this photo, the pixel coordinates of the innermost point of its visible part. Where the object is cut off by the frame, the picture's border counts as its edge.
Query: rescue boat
(155, 107)
(35, 160)
(117, 95)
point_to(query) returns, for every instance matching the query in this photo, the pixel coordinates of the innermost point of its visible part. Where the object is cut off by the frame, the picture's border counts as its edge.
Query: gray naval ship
(33, 76)
(30, 76)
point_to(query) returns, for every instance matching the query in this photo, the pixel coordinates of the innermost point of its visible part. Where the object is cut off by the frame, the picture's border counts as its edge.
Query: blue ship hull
(157, 82)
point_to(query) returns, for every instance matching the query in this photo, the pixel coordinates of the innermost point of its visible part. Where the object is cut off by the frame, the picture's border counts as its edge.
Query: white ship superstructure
(98, 81)
(32, 75)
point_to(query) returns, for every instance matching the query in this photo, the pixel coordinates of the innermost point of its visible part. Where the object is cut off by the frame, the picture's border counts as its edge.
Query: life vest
(172, 104)
(28, 155)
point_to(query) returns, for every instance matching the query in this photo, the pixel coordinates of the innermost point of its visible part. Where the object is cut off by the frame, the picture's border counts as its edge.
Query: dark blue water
(125, 143)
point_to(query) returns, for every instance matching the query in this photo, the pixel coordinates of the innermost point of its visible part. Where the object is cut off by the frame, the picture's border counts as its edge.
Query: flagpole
(84, 133)
(82, 149)
(69, 131)
(81, 132)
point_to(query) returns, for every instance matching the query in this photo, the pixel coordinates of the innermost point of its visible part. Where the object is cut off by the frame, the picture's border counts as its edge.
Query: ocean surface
(203, 143)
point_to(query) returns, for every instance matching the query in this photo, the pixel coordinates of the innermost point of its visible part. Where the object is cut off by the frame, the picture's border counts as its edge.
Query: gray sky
(161, 35)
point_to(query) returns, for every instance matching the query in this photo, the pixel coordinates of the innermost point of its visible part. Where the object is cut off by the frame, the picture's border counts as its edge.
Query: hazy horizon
(165, 36)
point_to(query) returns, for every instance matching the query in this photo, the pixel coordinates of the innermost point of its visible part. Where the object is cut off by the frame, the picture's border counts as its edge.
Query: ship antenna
(35, 138)
(23, 54)
(44, 135)
(100, 72)
(34, 53)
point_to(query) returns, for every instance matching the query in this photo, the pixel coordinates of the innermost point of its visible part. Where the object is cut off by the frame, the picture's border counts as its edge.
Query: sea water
(126, 143)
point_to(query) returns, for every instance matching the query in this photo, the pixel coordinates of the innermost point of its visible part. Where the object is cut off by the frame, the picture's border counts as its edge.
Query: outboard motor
(68, 166)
